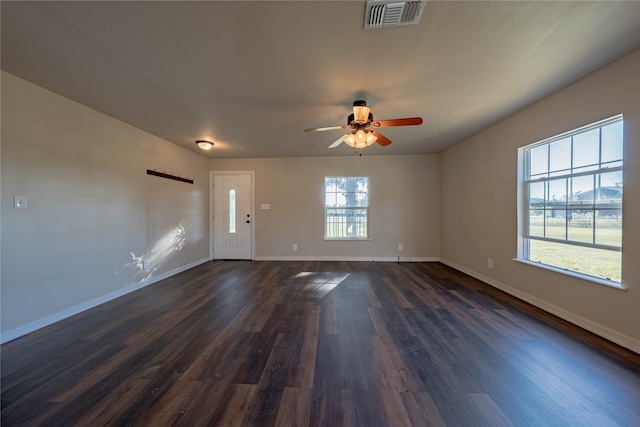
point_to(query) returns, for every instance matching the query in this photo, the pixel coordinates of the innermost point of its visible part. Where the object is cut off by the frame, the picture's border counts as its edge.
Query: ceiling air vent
(392, 13)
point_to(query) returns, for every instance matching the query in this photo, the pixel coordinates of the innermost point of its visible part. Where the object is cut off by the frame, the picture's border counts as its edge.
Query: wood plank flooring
(241, 343)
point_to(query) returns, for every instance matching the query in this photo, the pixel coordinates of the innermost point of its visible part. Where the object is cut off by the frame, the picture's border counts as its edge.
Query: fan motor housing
(351, 118)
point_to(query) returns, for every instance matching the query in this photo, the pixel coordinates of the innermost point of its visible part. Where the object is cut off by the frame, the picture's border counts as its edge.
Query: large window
(346, 207)
(572, 213)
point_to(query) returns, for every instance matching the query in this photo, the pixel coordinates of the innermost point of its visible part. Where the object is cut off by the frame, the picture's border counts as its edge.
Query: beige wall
(90, 204)
(404, 206)
(478, 203)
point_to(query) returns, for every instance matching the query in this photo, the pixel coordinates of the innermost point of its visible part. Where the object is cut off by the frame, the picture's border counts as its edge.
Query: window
(572, 210)
(232, 211)
(346, 207)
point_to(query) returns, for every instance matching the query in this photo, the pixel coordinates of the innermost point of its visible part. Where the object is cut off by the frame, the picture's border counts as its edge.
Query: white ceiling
(250, 76)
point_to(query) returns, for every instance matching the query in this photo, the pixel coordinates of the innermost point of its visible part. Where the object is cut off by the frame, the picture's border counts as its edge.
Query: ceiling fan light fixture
(360, 121)
(371, 138)
(350, 140)
(204, 145)
(360, 139)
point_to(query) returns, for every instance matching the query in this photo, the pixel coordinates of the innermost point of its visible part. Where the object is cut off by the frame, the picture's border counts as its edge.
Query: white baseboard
(607, 333)
(348, 258)
(49, 320)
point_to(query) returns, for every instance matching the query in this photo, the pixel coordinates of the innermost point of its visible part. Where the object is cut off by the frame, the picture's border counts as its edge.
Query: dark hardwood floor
(320, 344)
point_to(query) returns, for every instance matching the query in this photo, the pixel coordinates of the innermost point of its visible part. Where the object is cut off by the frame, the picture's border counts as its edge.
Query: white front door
(232, 216)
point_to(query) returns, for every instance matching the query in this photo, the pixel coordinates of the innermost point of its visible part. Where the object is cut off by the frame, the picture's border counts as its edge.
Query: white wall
(404, 206)
(478, 202)
(90, 204)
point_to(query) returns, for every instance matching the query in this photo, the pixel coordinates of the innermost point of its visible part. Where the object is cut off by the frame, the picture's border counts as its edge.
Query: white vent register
(392, 13)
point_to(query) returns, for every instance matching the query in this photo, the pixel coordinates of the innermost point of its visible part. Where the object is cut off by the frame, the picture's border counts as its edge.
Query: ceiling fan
(363, 131)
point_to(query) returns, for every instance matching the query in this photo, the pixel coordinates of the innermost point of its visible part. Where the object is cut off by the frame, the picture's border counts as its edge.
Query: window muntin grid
(573, 196)
(346, 207)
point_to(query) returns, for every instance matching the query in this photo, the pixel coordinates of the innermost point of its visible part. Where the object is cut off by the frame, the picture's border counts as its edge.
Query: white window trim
(523, 207)
(585, 277)
(324, 202)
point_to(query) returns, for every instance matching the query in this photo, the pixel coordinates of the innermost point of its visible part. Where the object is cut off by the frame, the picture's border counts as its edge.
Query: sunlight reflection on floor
(318, 284)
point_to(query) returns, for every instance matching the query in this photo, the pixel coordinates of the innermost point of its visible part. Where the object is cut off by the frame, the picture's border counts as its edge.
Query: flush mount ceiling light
(204, 145)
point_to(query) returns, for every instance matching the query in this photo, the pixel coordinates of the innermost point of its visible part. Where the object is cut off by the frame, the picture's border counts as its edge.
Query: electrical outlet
(295, 246)
(400, 247)
(490, 262)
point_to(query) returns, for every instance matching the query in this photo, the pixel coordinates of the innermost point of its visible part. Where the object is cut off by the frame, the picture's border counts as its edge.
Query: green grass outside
(608, 231)
(601, 263)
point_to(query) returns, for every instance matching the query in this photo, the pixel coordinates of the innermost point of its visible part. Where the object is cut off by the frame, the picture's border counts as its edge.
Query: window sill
(349, 239)
(605, 282)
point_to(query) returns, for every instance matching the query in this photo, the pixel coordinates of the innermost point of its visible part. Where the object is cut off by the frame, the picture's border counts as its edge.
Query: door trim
(212, 174)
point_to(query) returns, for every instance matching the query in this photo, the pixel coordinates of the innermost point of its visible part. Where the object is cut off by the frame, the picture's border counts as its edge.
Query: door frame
(212, 174)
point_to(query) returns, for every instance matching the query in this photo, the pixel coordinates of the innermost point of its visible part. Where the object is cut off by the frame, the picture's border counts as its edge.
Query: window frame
(594, 170)
(366, 207)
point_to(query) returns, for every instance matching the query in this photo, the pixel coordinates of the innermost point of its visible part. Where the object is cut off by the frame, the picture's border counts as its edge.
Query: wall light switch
(265, 206)
(20, 202)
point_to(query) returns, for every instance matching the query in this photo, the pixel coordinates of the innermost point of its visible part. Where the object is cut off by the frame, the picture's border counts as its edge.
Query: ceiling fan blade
(327, 128)
(409, 121)
(339, 141)
(382, 140)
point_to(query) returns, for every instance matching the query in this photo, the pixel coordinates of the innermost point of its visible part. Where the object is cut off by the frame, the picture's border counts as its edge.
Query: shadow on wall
(144, 266)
